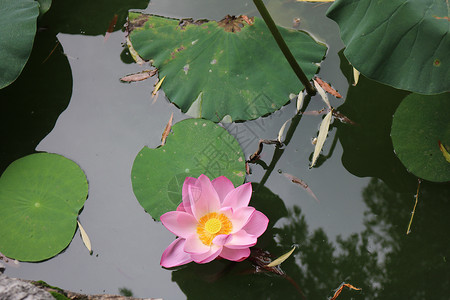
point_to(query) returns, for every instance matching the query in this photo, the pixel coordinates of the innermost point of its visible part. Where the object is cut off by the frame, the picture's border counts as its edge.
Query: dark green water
(74, 104)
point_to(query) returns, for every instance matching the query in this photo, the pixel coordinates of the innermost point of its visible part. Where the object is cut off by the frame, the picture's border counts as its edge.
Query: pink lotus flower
(213, 220)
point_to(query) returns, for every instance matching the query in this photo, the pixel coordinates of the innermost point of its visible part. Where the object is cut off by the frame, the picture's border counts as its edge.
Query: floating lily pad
(40, 197)
(195, 147)
(17, 31)
(420, 122)
(401, 43)
(229, 67)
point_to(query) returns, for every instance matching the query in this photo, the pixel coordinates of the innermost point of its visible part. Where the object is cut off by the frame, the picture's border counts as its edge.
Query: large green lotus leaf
(17, 31)
(40, 197)
(420, 122)
(232, 68)
(402, 43)
(195, 147)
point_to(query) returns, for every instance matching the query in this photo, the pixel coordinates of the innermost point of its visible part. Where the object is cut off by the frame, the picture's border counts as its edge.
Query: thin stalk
(284, 48)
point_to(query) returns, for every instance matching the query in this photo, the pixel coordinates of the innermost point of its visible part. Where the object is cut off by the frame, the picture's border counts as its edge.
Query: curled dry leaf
(342, 118)
(158, 85)
(322, 94)
(302, 184)
(355, 76)
(139, 76)
(300, 98)
(166, 130)
(323, 131)
(327, 87)
(339, 290)
(281, 132)
(85, 238)
(281, 259)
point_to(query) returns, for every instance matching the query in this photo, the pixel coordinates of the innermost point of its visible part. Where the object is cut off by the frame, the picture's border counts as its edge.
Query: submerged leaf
(281, 259)
(85, 238)
(323, 131)
(229, 63)
(444, 151)
(301, 182)
(341, 287)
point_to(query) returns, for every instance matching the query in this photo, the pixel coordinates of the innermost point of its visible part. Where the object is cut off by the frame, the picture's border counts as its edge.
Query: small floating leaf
(322, 93)
(158, 85)
(85, 238)
(139, 76)
(328, 88)
(301, 183)
(300, 98)
(355, 76)
(341, 287)
(167, 130)
(281, 132)
(323, 131)
(281, 259)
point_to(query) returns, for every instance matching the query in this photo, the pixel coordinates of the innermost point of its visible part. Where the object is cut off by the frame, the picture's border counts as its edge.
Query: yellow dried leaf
(85, 238)
(280, 133)
(444, 152)
(166, 130)
(323, 131)
(355, 76)
(322, 93)
(158, 85)
(300, 98)
(280, 259)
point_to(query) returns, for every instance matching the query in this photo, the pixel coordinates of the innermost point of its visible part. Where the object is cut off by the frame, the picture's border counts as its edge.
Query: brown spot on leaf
(436, 62)
(137, 23)
(441, 18)
(235, 24)
(185, 22)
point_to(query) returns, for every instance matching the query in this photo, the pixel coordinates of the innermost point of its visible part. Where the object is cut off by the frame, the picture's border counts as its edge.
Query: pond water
(73, 104)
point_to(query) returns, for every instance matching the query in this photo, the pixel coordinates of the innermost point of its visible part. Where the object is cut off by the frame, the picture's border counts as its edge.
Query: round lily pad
(420, 123)
(40, 197)
(232, 67)
(195, 147)
(402, 43)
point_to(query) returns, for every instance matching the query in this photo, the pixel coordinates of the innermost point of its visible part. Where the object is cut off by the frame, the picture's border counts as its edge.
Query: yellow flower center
(211, 225)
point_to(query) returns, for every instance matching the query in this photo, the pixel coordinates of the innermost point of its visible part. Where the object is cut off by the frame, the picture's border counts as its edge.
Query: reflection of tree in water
(382, 260)
(417, 265)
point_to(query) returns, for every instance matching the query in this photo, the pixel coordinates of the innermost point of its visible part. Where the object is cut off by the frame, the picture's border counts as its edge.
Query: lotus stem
(284, 48)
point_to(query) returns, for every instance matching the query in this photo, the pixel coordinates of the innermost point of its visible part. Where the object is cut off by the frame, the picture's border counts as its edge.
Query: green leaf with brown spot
(231, 67)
